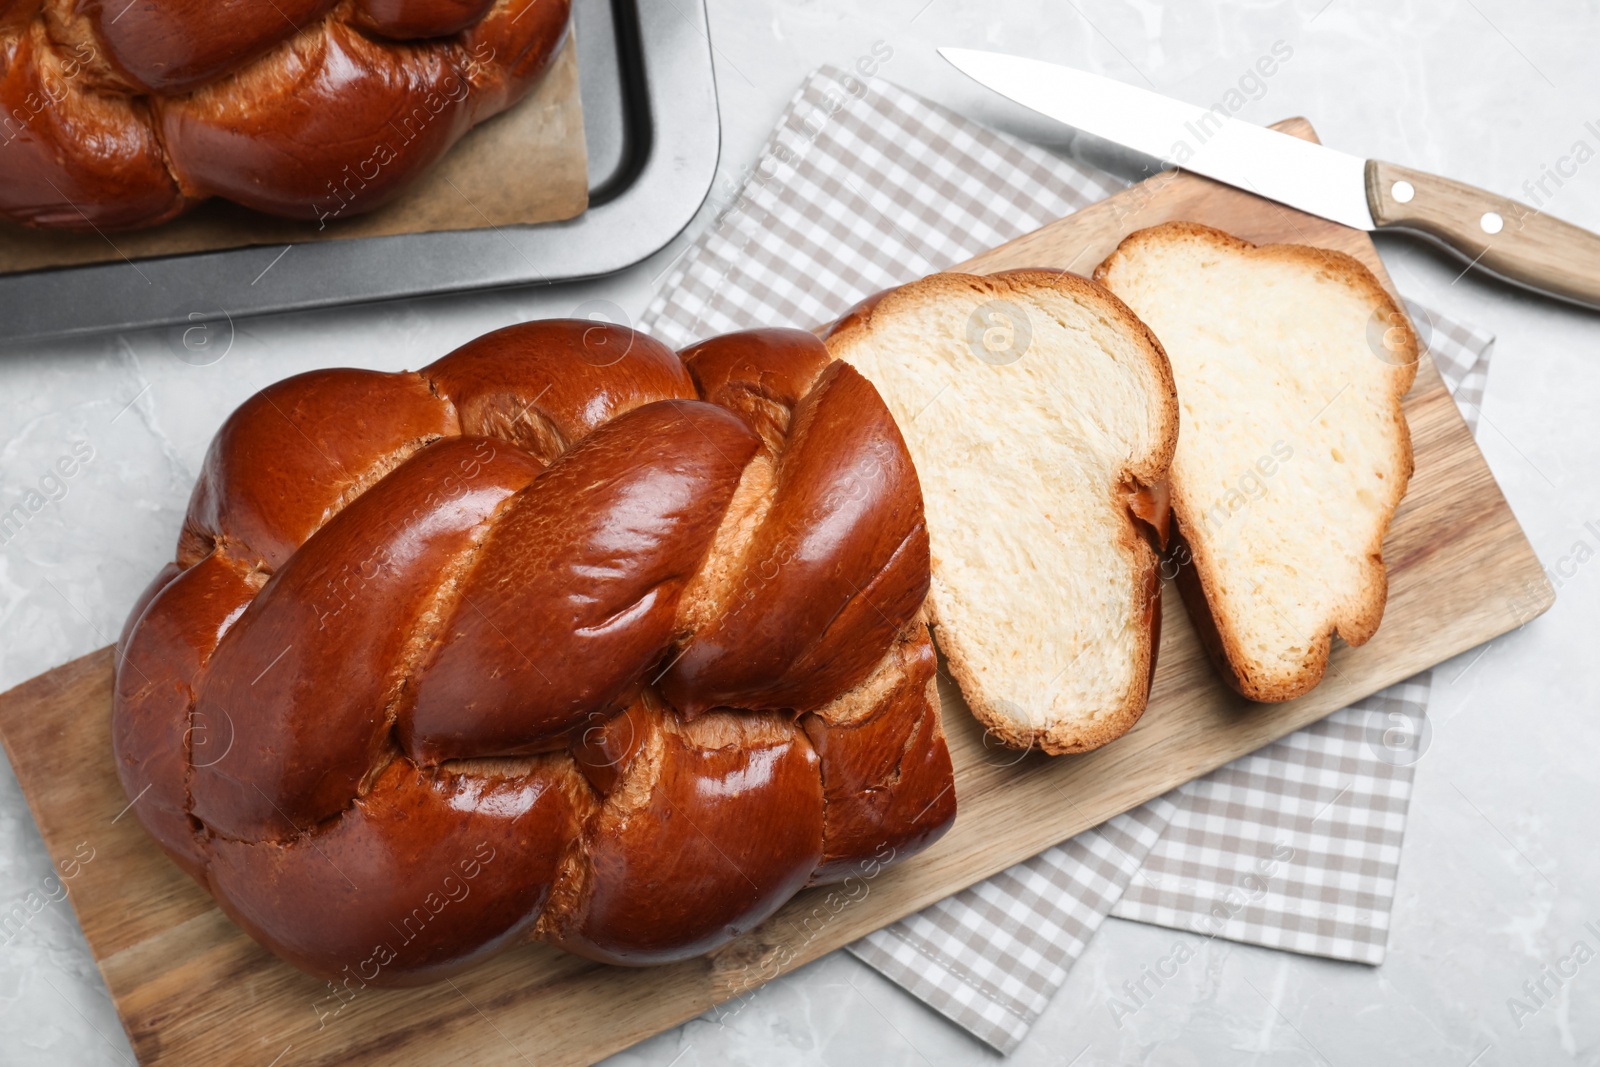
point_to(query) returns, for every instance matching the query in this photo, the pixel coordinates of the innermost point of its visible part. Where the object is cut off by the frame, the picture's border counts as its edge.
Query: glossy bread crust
(117, 116)
(564, 636)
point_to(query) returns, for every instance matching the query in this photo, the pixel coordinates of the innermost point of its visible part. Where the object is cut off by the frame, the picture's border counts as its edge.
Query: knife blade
(1511, 240)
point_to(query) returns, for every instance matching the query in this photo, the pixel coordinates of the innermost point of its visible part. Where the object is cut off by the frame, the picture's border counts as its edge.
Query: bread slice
(1294, 451)
(1039, 412)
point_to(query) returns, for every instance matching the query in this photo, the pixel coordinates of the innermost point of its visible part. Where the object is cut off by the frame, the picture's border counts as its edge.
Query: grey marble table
(1494, 892)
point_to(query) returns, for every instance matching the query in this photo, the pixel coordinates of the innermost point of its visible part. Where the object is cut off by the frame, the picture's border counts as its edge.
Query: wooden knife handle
(1502, 236)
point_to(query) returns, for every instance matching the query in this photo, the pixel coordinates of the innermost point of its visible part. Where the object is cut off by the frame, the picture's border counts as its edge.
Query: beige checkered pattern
(863, 186)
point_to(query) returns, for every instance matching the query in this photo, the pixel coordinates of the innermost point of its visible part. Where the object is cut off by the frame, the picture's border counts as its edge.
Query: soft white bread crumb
(1294, 452)
(1032, 402)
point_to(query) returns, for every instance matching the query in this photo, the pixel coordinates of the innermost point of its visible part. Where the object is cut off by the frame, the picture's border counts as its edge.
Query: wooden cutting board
(193, 989)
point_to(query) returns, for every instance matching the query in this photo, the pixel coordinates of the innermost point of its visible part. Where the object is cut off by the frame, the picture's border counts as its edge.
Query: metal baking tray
(651, 123)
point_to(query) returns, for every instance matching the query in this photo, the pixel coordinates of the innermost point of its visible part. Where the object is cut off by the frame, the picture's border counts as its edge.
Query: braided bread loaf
(116, 115)
(562, 636)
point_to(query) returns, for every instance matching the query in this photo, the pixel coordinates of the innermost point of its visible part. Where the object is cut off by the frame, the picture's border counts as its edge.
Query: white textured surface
(1500, 872)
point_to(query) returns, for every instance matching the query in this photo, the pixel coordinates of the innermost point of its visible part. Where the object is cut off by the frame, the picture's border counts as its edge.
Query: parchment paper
(527, 164)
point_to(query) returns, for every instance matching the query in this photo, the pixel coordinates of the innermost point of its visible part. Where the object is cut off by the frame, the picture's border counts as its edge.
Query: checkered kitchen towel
(863, 186)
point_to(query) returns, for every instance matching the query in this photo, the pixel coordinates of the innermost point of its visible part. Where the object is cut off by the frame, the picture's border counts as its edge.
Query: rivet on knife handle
(1500, 235)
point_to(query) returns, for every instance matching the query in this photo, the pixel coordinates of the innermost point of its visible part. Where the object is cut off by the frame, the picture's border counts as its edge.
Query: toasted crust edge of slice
(1218, 633)
(1144, 560)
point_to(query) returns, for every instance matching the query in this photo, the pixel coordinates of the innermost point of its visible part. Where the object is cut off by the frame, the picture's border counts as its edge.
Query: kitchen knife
(1492, 233)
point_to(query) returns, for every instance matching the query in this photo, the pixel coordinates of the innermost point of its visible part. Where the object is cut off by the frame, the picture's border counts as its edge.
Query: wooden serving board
(193, 989)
